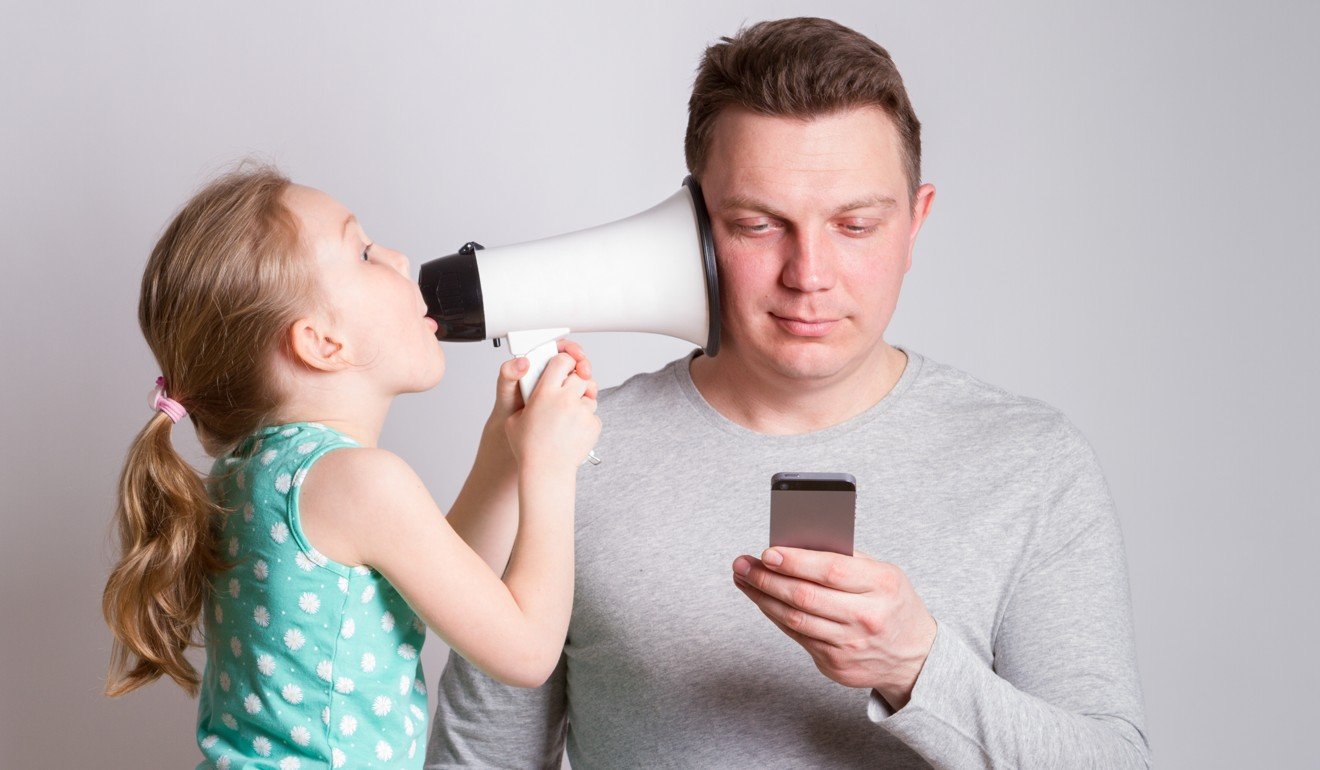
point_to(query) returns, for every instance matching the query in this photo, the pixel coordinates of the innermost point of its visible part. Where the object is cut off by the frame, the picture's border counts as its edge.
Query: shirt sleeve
(1062, 690)
(480, 722)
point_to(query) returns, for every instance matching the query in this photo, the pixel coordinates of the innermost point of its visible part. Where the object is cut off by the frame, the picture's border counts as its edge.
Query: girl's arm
(485, 514)
(367, 506)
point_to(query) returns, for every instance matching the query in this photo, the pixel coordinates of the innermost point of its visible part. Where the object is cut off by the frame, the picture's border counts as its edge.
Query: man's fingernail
(772, 557)
(742, 566)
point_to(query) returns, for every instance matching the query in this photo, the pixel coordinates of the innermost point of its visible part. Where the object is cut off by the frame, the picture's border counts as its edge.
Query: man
(987, 624)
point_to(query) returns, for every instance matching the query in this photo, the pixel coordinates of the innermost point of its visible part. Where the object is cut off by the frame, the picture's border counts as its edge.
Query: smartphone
(813, 510)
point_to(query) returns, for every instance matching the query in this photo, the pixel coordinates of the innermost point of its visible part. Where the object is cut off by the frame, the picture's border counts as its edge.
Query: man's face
(814, 231)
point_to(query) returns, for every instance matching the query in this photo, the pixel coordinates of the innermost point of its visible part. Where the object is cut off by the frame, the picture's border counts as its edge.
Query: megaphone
(652, 272)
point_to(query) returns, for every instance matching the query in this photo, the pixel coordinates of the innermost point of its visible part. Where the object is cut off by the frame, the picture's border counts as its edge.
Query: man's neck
(773, 404)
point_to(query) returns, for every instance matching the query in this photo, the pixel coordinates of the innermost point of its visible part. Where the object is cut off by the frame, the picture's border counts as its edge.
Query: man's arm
(1062, 689)
(482, 723)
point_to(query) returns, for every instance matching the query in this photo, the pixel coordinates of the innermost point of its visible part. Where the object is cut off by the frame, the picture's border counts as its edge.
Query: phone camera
(783, 486)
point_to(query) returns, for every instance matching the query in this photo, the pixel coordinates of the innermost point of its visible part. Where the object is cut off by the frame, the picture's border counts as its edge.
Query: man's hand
(859, 619)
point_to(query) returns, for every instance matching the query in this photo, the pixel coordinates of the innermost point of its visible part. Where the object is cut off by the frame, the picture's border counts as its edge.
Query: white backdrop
(1125, 227)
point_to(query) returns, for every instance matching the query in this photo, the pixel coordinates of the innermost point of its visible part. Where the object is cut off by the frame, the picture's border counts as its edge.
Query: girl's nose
(399, 261)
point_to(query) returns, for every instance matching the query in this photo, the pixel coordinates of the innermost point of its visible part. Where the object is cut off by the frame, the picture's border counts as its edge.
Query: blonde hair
(225, 281)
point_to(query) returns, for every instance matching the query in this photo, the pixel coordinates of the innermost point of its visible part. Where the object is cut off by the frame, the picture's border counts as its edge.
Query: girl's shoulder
(361, 480)
(293, 440)
(277, 447)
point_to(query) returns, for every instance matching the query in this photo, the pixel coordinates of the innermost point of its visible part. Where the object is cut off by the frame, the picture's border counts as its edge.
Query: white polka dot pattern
(310, 663)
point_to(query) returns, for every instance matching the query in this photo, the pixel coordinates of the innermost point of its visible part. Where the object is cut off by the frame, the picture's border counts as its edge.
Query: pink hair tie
(161, 402)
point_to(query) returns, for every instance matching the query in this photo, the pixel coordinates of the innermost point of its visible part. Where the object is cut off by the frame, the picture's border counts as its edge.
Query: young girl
(315, 559)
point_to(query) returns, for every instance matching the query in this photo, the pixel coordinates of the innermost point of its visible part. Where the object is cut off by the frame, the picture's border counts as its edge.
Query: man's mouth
(811, 326)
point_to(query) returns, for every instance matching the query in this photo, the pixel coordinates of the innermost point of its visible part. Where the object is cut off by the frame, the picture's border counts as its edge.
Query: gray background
(1125, 227)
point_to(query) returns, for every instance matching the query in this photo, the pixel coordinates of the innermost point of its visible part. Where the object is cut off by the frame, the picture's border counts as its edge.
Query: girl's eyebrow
(351, 219)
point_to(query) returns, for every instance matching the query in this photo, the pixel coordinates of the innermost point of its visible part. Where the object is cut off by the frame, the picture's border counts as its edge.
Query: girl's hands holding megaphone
(508, 397)
(559, 426)
(496, 461)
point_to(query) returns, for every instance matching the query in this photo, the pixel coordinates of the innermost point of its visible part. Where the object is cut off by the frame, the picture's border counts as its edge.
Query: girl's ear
(315, 344)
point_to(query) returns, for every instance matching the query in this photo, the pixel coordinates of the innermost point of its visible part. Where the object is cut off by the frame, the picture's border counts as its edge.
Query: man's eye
(853, 228)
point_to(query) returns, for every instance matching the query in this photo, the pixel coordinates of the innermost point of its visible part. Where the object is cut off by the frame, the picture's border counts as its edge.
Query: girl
(315, 559)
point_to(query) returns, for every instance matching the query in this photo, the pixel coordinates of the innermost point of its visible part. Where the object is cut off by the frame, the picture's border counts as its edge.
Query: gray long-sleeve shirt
(994, 506)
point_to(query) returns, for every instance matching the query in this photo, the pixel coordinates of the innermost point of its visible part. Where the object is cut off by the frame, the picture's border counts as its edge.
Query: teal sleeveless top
(309, 663)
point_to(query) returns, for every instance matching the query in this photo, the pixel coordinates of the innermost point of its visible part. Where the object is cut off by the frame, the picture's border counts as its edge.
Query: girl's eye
(366, 253)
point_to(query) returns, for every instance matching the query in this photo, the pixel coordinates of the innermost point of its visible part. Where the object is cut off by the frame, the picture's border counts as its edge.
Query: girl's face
(369, 303)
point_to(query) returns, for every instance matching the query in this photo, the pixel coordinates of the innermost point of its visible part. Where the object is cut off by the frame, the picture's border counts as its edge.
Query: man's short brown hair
(799, 68)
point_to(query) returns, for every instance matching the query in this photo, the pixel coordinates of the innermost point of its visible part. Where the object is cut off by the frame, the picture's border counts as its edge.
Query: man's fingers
(797, 623)
(804, 595)
(844, 573)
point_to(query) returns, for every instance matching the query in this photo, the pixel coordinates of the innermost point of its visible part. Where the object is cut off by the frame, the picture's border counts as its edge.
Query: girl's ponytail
(224, 283)
(154, 595)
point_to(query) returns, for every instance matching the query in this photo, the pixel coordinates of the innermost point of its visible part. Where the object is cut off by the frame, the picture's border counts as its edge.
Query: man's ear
(921, 203)
(315, 345)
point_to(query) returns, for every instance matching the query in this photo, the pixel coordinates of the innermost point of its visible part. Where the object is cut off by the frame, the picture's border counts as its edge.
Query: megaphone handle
(537, 357)
(538, 346)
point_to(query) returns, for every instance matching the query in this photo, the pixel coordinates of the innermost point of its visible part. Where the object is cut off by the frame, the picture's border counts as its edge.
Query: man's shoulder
(648, 389)
(972, 408)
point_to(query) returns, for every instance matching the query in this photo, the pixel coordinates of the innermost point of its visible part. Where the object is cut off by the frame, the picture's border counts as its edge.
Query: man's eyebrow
(351, 219)
(744, 202)
(875, 201)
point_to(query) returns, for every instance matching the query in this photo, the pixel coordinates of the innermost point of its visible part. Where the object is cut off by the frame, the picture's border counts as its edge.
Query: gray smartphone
(813, 510)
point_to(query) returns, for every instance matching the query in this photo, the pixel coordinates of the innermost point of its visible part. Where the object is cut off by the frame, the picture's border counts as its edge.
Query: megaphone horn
(651, 272)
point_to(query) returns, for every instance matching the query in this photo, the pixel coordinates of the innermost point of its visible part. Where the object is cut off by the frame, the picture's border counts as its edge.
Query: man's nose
(810, 262)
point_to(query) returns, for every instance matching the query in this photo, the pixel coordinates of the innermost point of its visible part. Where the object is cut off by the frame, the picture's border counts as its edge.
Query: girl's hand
(508, 397)
(559, 427)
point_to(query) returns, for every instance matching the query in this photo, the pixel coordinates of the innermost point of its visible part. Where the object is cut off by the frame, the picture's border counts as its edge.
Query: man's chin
(807, 366)
(819, 361)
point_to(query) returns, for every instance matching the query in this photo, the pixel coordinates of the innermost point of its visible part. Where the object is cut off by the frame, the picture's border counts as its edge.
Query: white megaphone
(652, 272)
